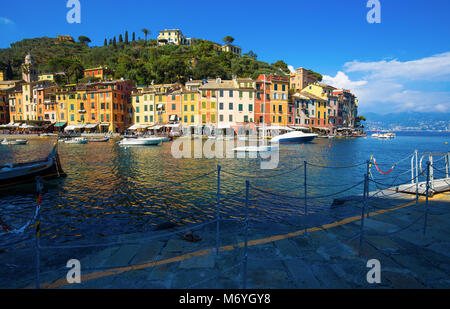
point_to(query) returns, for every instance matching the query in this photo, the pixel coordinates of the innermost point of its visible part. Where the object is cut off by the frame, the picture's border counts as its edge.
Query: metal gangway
(438, 177)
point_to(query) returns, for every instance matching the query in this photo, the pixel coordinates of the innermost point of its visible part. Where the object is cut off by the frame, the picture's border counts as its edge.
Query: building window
(137, 119)
(230, 106)
(241, 107)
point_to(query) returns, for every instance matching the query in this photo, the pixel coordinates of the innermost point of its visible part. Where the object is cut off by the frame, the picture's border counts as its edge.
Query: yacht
(294, 137)
(140, 141)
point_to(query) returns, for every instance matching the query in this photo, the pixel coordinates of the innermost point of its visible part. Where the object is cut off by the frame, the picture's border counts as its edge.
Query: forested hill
(140, 61)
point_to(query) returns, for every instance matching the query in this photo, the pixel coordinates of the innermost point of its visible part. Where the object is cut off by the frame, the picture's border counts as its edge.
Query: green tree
(120, 39)
(84, 39)
(126, 37)
(228, 39)
(134, 36)
(105, 43)
(146, 33)
(281, 67)
(114, 42)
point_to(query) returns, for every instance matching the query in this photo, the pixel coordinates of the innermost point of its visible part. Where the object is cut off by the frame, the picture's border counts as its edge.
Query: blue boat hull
(297, 140)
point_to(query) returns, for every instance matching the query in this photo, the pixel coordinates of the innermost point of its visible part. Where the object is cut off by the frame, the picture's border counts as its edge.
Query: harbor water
(112, 190)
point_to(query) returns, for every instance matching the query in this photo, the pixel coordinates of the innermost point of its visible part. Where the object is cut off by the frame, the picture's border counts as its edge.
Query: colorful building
(101, 73)
(301, 78)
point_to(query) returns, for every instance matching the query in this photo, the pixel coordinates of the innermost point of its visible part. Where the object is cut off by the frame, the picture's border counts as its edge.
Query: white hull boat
(77, 140)
(15, 142)
(296, 137)
(255, 148)
(140, 141)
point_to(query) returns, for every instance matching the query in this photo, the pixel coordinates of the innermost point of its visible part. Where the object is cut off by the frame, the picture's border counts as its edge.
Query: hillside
(143, 62)
(412, 121)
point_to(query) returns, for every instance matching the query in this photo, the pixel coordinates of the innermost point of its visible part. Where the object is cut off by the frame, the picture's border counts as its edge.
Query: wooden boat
(19, 173)
(14, 142)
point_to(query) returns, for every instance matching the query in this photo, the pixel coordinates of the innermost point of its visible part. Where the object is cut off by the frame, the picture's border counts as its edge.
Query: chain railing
(301, 205)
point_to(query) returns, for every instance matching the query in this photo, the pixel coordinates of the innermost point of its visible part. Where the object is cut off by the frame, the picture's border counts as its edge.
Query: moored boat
(19, 173)
(77, 140)
(140, 141)
(14, 142)
(99, 140)
(294, 137)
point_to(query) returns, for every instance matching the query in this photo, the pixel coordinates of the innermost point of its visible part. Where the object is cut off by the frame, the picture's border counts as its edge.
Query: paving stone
(174, 245)
(147, 252)
(379, 226)
(301, 274)
(441, 248)
(327, 277)
(123, 256)
(424, 270)
(288, 248)
(198, 262)
(400, 280)
(264, 277)
(335, 250)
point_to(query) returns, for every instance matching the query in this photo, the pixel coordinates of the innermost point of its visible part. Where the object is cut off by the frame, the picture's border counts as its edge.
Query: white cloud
(428, 68)
(6, 21)
(384, 85)
(291, 68)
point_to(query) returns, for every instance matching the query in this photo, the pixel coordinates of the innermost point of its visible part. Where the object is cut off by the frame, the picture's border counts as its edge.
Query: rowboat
(19, 173)
(14, 142)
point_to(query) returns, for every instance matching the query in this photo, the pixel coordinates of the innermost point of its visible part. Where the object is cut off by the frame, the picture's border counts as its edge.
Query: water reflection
(115, 190)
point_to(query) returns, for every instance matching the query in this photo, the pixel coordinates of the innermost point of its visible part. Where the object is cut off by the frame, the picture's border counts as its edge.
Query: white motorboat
(140, 141)
(294, 137)
(165, 139)
(77, 140)
(14, 142)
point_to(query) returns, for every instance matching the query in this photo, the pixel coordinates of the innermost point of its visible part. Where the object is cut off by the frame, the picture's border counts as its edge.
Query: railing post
(39, 188)
(426, 201)
(417, 176)
(431, 173)
(218, 211)
(247, 186)
(367, 184)
(306, 198)
(447, 162)
(361, 229)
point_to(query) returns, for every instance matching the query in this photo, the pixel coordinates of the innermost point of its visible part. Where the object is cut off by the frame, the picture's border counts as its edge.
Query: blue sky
(328, 36)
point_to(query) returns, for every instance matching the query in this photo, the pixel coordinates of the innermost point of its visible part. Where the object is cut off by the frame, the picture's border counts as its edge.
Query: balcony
(82, 111)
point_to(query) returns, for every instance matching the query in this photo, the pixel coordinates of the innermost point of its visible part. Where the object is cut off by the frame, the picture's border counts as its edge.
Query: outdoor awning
(157, 127)
(275, 128)
(91, 125)
(69, 128)
(172, 117)
(224, 126)
(160, 106)
(299, 128)
(137, 126)
(321, 128)
(60, 124)
(175, 125)
(104, 124)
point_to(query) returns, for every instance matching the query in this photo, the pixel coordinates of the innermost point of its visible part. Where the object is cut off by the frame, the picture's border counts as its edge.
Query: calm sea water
(111, 190)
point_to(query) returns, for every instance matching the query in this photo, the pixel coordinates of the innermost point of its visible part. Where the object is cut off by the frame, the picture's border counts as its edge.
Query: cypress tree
(106, 42)
(114, 42)
(126, 37)
(120, 39)
(134, 36)
(110, 41)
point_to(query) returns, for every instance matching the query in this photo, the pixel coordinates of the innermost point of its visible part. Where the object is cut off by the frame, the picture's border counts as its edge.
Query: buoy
(329, 146)
(303, 144)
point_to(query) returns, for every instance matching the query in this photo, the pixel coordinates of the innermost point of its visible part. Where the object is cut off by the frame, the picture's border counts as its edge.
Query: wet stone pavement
(280, 255)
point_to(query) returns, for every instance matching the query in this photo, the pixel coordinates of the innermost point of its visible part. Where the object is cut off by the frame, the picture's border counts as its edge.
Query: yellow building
(49, 77)
(143, 108)
(232, 49)
(279, 89)
(325, 92)
(172, 37)
(190, 110)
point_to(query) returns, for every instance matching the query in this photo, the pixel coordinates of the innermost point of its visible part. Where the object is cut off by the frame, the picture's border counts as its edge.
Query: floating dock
(437, 186)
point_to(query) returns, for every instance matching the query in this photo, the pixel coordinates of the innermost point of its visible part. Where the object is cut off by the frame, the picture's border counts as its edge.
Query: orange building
(101, 72)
